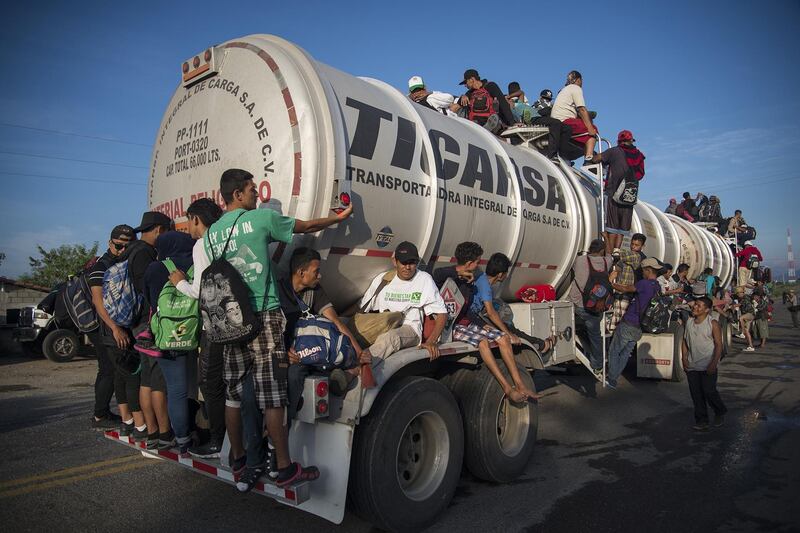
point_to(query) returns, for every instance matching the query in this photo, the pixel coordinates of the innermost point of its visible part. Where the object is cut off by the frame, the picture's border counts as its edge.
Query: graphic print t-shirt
(248, 250)
(407, 297)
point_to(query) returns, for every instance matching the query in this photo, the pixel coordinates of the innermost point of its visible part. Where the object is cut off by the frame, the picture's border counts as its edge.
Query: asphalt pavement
(606, 461)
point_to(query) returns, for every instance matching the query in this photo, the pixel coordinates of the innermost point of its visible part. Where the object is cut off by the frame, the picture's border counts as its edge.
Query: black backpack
(597, 293)
(655, 317)
(222, 290)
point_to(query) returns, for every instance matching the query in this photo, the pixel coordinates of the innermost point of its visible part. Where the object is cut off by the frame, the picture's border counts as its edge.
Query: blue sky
(710, 90)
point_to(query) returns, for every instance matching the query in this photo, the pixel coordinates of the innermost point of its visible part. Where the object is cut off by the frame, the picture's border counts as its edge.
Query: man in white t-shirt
(411, 292)
(441, 102)
(570, 108)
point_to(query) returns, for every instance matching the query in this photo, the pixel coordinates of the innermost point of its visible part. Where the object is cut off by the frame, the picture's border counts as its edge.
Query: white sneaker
(749, 349)
(740, 336)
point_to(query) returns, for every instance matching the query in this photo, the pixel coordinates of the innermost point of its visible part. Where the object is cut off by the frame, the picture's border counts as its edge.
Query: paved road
(622, 460)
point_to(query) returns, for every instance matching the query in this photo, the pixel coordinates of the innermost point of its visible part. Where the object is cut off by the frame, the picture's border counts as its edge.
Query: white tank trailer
(309, 132)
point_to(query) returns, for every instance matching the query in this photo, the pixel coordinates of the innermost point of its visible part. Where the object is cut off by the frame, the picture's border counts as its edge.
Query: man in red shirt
(749, 259)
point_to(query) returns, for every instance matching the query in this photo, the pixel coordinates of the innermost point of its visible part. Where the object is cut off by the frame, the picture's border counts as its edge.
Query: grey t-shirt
(581, 269)
(700, 340)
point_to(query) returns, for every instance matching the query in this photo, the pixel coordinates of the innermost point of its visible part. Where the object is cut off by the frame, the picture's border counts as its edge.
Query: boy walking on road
(701, 351)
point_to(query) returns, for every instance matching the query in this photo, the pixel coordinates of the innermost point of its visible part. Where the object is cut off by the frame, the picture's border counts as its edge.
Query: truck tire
(60, 345)
(500, 436)
(407, 455)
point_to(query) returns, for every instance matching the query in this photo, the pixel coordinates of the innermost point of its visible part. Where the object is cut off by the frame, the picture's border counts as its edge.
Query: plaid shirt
(628, 262)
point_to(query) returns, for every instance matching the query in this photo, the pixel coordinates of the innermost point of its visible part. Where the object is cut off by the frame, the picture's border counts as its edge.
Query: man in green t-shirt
(252, 384)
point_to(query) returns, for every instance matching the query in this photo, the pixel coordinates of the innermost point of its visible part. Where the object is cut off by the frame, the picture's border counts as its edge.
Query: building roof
(22, 284)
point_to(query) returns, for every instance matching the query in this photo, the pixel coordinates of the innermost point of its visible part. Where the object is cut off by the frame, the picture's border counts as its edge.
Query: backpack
(319, 343)
(655, 317)
(597, 293)
(120, 300)
(627, 192)
(481, 104)
(752, 262)
(176, 323)
(222, 290)
(77, 300)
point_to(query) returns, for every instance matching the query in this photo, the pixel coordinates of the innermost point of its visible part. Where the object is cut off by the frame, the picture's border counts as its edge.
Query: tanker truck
(315, 137)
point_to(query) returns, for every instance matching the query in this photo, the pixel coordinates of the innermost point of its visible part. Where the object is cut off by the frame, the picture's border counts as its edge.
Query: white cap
(415, 82)
(748, 243)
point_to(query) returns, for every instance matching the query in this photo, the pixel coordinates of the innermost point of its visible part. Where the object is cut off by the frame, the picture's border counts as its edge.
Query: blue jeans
(622, 345)
(175, 374)
(252, 424)
(592, 324)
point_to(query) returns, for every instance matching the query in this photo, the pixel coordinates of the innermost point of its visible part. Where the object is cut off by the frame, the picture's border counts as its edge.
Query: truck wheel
(500, 436)
(407, 455)
(32, 348)
(60, 345)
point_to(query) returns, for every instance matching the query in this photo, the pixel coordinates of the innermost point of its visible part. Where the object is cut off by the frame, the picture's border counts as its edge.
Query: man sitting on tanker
(570, 108)
(409, 291)
(485, 103)
(474, 330)
(441, 102)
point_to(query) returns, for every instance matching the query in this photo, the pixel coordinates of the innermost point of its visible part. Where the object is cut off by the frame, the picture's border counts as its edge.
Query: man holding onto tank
(628, 331)
(255, 372)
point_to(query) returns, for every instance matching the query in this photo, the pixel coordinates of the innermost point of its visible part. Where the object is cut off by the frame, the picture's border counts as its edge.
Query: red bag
(531, 294)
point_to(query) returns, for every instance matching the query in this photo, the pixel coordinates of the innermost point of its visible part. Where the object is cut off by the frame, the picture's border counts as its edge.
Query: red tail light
(322, 407)
(344, 198)
(322, 389)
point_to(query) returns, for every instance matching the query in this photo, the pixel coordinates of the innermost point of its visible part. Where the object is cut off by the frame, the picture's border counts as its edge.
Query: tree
(2, 258)
(58, 264)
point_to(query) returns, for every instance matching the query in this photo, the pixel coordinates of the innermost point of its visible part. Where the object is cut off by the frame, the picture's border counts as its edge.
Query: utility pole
(790, 255)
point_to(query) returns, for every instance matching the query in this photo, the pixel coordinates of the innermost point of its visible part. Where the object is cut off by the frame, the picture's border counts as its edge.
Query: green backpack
(176, 323)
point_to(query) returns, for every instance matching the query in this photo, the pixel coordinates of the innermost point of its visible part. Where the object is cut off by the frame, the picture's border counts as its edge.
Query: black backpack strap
(384, 282)
(227, 242)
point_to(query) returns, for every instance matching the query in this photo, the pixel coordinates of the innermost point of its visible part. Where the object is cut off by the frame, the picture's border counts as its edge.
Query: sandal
(295, 473)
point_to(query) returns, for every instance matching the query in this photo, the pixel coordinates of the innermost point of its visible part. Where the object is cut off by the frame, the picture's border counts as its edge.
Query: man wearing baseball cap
(629, 329)
(624, 165)
(441, 102)
(108, 382)
(485, 102)
(409, 291)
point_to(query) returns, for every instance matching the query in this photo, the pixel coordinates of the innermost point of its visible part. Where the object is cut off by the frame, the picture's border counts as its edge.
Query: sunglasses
(119, 246)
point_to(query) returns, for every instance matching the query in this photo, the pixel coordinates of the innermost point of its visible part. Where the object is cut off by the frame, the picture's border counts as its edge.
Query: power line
(42, 156)
(51, 177)
(71, 134)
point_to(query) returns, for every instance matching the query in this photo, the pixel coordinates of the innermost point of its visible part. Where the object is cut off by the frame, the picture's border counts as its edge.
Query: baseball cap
(470, 73)
(152, 218)
(652, 262)
(547, 94)
(625, 135)
(414, 83)
(123, 230)
(406, 251)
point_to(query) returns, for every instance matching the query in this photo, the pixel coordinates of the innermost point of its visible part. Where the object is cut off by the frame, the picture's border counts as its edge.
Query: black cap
(406, 251)
(513, 87)
(470, 73)
(547, 94)
(152, 218)
(123, 230)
